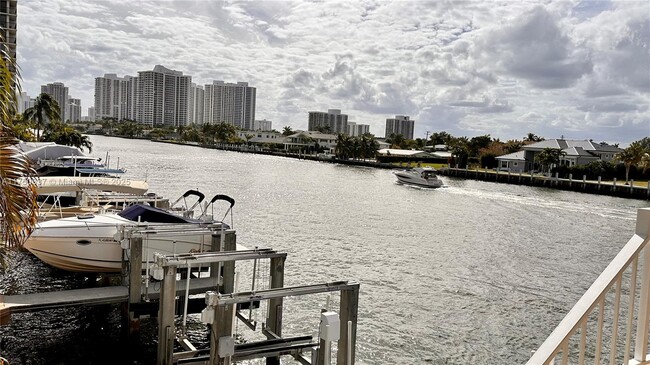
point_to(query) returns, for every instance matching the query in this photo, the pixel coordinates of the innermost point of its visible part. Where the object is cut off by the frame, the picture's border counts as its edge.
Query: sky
(558, 69)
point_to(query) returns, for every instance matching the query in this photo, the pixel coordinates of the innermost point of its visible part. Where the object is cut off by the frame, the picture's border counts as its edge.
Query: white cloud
(573, 68)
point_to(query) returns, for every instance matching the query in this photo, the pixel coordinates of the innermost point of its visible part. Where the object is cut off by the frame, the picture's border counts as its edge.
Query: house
(576, 152)
(411, 154)
(514, 162)
(309, 139)
(262, 137)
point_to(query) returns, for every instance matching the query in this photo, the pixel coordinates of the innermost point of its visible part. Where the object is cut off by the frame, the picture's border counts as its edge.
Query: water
(475, 272)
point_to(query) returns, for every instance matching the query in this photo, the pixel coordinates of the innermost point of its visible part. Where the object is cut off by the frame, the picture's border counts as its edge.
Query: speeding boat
(419, 176)
(91, 242)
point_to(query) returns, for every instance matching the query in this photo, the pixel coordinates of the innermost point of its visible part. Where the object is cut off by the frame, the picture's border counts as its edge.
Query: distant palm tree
(18, 207)
(287, 131)
(549, 157)
(45, 108)
(64, 134)
(630, 156)
(532, 137)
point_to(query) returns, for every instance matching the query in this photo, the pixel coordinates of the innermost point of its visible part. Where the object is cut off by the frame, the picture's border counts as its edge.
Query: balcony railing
(609, 324)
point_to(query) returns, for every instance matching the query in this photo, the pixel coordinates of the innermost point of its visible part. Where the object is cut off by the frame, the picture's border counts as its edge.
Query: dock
(176, 285)
(611, 188)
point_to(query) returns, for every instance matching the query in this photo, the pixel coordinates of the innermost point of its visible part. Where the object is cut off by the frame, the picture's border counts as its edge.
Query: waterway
(474, 272)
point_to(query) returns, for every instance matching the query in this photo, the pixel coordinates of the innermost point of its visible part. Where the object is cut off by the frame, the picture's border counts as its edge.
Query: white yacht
(91, 242)
(419, 176)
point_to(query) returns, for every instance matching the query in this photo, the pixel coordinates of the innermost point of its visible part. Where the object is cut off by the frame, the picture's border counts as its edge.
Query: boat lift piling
(222, 306)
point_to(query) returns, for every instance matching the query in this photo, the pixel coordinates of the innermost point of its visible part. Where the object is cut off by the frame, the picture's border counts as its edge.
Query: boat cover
(147, 213)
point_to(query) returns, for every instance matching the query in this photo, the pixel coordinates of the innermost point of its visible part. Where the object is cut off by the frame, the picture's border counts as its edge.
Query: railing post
(641, 343)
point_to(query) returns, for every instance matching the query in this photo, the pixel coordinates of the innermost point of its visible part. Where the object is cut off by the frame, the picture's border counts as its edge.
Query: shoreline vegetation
(635, 189)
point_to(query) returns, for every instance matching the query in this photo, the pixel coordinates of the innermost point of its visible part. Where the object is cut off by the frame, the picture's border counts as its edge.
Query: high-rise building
(195, 104)
(401, 124)
(262, 125)
(229, 103)
(8, 17)
(333, 120)
(73, 111)
(355, 129)
(59, 92)
(115, 97)
(162, 97)
(91, 114)
(23, 102)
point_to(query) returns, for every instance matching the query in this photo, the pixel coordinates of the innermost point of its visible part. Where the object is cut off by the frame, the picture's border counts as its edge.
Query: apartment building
(115, 97)
(229, 103)
(332, 119)
(8, 17)
(401, 124)
(162, 97)
(195, 104)
(59, 92)
(73, 110)
(355, 129)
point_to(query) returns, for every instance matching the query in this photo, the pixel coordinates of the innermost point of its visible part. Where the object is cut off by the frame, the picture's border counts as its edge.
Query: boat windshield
(147, 213)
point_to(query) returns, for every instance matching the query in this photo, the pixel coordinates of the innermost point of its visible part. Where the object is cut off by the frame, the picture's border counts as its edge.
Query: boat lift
(223, 308)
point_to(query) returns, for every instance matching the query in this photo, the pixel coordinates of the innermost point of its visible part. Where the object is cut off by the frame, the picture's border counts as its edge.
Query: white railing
(601, 327)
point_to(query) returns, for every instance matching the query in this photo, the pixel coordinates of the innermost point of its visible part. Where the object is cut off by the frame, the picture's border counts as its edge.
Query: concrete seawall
(612, 188)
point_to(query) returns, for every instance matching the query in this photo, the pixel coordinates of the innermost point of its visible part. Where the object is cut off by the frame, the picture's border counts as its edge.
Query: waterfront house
(258, 138)
(514, 162)
(576, 152)
(304, 140)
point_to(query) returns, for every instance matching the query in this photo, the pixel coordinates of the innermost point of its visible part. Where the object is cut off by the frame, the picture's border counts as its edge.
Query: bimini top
(147, 213)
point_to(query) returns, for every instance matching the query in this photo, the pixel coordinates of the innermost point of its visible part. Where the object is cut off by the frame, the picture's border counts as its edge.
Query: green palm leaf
(18, 207)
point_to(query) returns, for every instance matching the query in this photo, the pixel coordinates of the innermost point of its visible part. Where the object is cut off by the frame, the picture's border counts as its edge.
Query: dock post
(570, 180)
(166, 312)
(349, 311)
(632, 187)
(229, 240)
(599, 179)
(274, 312)
(648, 192)
(614, 186)
(135, 285)
(224, 314)
(584, 182)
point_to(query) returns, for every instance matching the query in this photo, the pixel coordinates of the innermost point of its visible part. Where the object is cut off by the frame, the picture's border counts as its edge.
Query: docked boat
(66, 196)
(91, 242)
(419, 176)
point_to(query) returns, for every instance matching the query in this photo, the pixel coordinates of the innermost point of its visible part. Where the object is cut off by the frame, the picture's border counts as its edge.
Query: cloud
(575, 68)
(536, 49)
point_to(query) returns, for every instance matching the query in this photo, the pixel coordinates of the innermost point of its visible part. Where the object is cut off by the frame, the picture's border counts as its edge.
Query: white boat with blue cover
(419, 176)
(91, 243)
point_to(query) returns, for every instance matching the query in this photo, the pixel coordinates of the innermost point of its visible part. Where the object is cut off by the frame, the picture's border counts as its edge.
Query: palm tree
(45, 108)
(287, 131)
(549, 157)
(630, 156)
(64, 134)
(532, 137)
(18, 207)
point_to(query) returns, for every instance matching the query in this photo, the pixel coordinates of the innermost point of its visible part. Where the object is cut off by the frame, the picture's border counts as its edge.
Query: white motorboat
(419, 176)
(91, 243)
(67, 196)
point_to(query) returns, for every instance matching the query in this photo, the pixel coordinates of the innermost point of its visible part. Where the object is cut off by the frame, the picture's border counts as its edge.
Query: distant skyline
(578, 69)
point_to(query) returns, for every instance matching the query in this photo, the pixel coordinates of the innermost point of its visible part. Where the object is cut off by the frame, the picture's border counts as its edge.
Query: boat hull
(74, 244)
(413, 179)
